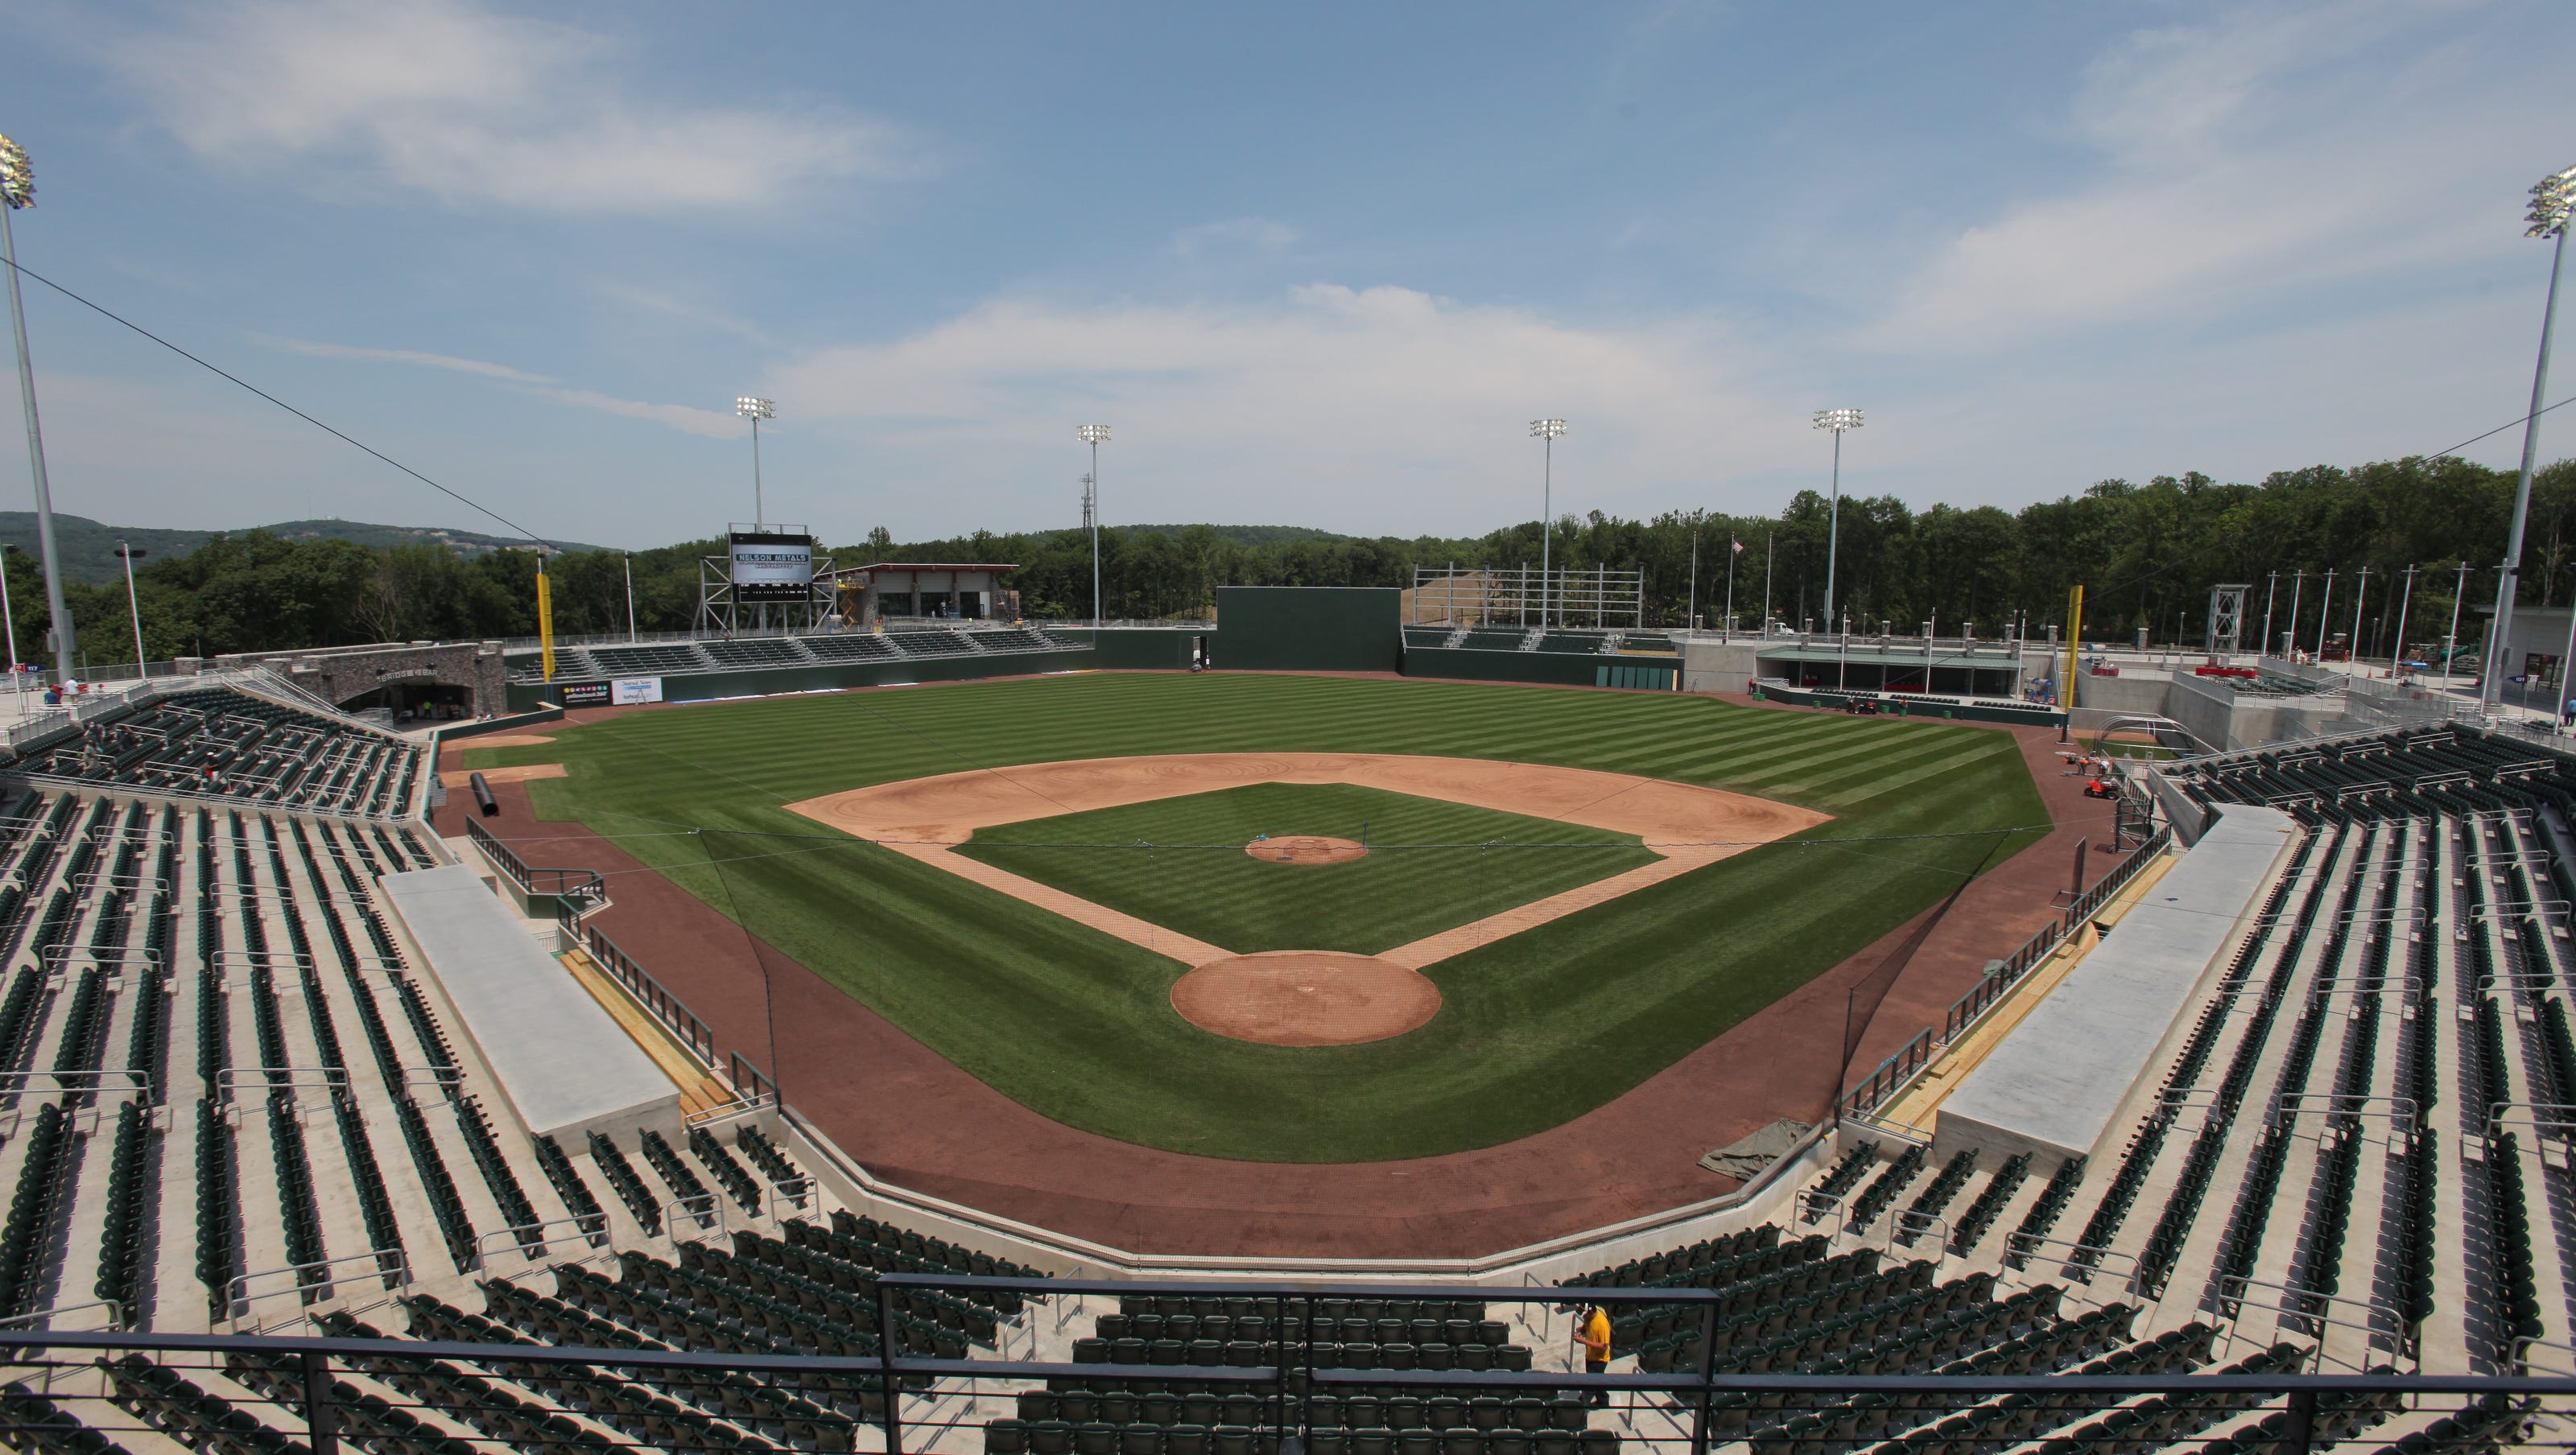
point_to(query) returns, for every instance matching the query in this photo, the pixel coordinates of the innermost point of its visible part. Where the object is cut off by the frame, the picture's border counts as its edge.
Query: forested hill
(89, 547)
(1243, 535)
(2146, 554)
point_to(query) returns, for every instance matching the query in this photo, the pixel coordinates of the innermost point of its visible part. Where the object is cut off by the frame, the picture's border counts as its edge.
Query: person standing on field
(1592, 1332)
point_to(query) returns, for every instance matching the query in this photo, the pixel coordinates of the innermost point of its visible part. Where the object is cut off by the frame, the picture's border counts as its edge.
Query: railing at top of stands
(579, 885)
(660, 1003)
(294, 1381)
(1893, 1074)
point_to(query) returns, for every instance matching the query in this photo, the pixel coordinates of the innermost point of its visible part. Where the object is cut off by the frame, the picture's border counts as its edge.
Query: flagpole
(1690, 621)
(1766, 583)
(1734, 548)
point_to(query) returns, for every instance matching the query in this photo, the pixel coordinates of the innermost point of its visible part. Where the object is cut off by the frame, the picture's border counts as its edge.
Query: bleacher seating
(221, 743)
(757, 653)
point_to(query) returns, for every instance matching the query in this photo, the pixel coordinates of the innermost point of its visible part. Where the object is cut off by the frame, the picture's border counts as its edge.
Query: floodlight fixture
(756, 409)
(18, 190)
(1092, 435)
(2552, 198)
(1837, 420)
(17, 183)
(1549, 430)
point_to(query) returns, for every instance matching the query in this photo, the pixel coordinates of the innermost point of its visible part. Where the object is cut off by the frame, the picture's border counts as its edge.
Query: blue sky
(1316, 265)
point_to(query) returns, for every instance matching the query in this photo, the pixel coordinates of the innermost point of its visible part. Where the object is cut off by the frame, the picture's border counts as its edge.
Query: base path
(1685, 826)
(919, 1122)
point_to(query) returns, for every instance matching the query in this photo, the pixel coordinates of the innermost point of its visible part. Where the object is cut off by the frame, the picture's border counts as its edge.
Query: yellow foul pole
(545, 621)
(2074, 642)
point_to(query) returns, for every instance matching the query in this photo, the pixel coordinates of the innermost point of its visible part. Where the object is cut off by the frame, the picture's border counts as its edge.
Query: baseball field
(1535, 1025)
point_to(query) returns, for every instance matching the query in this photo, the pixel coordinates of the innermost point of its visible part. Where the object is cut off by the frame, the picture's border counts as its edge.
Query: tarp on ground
(1744, 1160)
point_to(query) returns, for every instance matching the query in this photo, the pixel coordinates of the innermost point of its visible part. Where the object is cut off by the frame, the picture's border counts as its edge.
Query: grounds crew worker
(1592, 1331)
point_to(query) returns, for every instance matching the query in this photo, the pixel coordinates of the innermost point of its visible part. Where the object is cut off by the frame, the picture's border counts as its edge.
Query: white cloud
(2231, 164)
(411, 356)
(1384, 406)
(472, 107)
(707, 422)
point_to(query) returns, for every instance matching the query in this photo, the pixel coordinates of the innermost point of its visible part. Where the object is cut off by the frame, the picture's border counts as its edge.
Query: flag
(1735, 545)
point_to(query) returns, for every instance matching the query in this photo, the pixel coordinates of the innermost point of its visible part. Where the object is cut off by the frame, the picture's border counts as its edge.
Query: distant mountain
(89, 548)
(1242, 535)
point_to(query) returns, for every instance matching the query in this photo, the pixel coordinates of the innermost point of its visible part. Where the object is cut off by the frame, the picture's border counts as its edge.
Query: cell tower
(2226, 619)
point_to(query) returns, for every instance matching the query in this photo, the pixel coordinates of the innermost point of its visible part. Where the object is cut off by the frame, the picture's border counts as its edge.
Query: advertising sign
(772, 567)
(581, 694)
(628, 691)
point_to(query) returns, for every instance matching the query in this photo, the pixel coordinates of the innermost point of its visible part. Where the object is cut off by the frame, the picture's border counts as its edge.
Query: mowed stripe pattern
(1535, 1028)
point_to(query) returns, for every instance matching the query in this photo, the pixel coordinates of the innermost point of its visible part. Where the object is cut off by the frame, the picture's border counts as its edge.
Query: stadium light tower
(756, 410)
(133, 608)
(17, 190)
(2551, 200)
(1548, 430)
(1092, 435)
(1837, 420)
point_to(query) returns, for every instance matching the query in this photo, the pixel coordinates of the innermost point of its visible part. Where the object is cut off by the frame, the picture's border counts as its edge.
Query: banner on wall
(629, 691)
(581, 694)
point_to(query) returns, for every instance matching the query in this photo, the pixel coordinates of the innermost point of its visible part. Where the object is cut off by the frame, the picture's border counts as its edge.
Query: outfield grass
(1535, 1028)
(1179, 863)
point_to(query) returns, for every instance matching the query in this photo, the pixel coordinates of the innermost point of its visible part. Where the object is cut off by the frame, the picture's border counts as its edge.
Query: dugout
(1309, 629)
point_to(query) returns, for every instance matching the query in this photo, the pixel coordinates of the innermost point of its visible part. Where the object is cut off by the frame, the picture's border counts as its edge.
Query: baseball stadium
(1354, 1028)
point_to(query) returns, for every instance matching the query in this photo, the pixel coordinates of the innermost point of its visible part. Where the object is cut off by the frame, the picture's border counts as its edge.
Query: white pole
(2451, 643)
(1730, 587)
(630, 598)
(2405, 603)
(1690, 619)
(61, 628)
(133, 609)
(2492, 691)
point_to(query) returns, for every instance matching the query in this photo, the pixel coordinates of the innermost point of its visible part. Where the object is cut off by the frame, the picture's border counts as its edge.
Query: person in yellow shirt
(1592, 1332)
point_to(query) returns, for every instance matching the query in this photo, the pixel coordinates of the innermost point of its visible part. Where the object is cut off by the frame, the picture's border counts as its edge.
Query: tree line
(2147, 555)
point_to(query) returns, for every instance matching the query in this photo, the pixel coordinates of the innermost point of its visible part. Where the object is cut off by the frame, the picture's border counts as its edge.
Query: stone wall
(343, 674)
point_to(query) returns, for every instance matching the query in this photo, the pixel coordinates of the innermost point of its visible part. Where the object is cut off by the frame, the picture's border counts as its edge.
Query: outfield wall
(1310, 628)
(775, 681)
(1567, 669)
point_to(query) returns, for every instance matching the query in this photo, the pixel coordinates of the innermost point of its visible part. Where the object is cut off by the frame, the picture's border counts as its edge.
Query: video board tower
(2226, 620)
(765, 566)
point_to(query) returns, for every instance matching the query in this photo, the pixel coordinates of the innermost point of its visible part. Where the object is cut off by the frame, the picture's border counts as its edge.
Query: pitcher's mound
(1306, 849)
(1305, 998)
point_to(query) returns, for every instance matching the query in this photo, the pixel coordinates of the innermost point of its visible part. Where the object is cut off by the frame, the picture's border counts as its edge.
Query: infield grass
(1180, 863)
(1534, 1028)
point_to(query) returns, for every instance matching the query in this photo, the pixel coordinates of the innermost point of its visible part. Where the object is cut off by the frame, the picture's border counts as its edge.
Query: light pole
(2551, 199)
(630, 596)
(2405, 603)
(1548, 430)
(2325, 618)
(1092, 435)
(2299, 583)
(1837, 420)
(756, 410)
(2360, 593)
(9, 622)
(17, 190)
(2451, 643)
(2263, 644)
(133, 609)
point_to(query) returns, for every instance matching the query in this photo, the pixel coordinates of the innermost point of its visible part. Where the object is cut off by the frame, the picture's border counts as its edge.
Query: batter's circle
(1306, 998)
